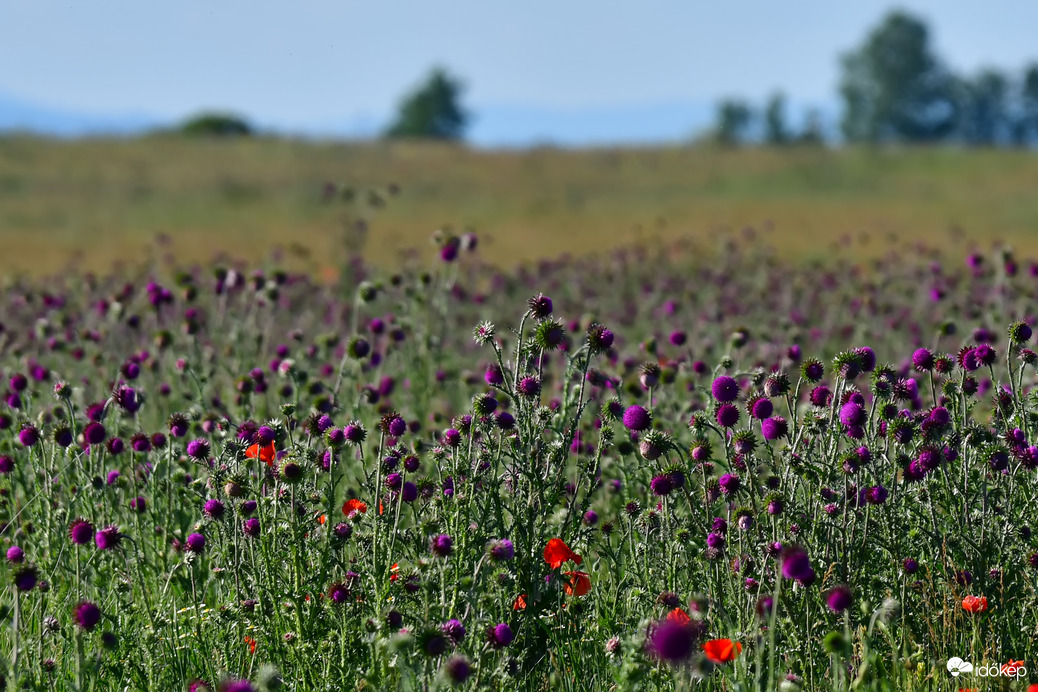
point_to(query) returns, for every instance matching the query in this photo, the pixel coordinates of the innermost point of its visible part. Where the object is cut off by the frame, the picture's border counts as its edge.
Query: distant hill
(20, 115)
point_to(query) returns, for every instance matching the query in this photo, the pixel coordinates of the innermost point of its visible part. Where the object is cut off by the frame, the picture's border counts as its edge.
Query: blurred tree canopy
(216, 124)
(894, 88)
(433, 110)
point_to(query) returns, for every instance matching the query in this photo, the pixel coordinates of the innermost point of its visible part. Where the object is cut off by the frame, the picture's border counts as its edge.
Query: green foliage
(776, 130)
(432, 111)
(734, 119)
(216, 124)
(895, 88)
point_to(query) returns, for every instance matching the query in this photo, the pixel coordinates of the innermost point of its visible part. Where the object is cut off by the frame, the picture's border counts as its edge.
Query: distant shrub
(216, 125)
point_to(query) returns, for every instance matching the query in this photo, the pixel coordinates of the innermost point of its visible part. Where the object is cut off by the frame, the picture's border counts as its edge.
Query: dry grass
(95, 202)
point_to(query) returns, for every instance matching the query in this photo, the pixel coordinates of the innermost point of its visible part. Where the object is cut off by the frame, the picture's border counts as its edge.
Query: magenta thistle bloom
(198, 449)
(761, 408)
(454, 630)
(251, 527)
(540, 306)
(529, 387)
(796, 564)
(457, 669)
(853, 414)
(500, 635)
(671, 641)
(441, 545)
(107, 538)
(87, 615)
(501, 549)
(25, 578)
(15, 555)
(727, 415)
(6, 464)
(725, 389)
(451, 437)
(213, 509)
(774, 428)
(839, 598)
(29, 435)
(636, 418)
(80, 531)
(196, 543)
(730, 483)
(923, 360)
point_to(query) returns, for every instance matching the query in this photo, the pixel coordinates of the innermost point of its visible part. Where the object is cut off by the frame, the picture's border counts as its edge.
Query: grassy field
(92, 203)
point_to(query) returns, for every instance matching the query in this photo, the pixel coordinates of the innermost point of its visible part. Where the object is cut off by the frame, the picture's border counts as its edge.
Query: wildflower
(199, 449)
(266, 453)
(454, 630)
(457, 669)
(500, 635)
(540, 306)
(557, 552)
(107, 538)
(213, 509)
(796, 564)
(727, 415)
(636, 418)
(725, 389)
(15, 555)
(251, 527)
(441, 545)
(28, 435)
(671, 641)
(25, 578)
(838, 599)
(80, 531)
(354, 506)
(722, 650)
(501, 550)
(87, 615)
(196, 543)
(578, 585)
(975, 604)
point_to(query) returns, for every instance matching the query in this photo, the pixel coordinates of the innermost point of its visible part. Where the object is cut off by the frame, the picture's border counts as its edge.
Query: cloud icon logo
(956, 665)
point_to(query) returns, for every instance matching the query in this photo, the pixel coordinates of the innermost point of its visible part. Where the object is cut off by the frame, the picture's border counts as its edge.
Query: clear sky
(303, 62)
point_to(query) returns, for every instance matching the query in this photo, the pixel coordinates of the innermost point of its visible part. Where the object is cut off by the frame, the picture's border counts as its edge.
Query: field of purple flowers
(631, 472)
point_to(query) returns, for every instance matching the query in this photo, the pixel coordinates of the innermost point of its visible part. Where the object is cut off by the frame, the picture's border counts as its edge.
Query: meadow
(90, 203)
(742, 466)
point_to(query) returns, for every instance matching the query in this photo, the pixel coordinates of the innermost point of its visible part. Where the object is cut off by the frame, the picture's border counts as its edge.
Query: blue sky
(340, 65)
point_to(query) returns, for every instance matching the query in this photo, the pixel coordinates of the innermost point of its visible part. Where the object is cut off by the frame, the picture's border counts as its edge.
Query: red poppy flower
(1010, 669)
(264, 454)
(557, 552)
(679, 616)
(252, 644)
(722, 650)
(579, 583)
(975, 604)
(1032, 688)
(354, 505)
(394, 569)
(520, 603)
(321, 519)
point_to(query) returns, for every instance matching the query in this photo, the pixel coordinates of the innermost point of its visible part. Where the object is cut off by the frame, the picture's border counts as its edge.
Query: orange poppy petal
(679, 616)
(578, 584)
(520, 603)
(722, 650)
(557, 552)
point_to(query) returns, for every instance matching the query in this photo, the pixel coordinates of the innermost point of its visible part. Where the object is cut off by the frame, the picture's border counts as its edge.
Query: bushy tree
(734, 119)
(776, 131)
(895, 88)
(433, 110)
(216, 124)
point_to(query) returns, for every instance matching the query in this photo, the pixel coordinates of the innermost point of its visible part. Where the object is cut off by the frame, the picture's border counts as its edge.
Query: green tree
(985, 117)
(894, 88)
(1026, 130)
(432, 110)
(216, 124)
(734, 118)
(776, 131)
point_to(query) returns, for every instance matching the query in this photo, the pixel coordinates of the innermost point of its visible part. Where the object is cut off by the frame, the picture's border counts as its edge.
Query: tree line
(894, 88)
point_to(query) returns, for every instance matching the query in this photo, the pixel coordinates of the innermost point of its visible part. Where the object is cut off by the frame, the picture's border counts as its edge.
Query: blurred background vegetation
(921, 155)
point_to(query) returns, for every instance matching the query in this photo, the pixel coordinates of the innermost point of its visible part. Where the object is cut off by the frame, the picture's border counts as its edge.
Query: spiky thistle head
(484, 332)
(550, 334)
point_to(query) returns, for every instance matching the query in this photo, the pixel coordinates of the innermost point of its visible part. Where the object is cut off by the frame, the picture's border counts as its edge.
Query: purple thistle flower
(454, 630)
(636, 418)
(796, 564)
(251, 527)
(661, 485)
(80, 531)
(441, 545)
(15, 555)
(196, 543)
(501, 550)
(725, 389)
(500, 635)
(107, 538)
(730, 483)
(28, 435)
(87, 615)
(529, 387)
(213, 509)
(839, 598)
(671, 641)
(774, 428)
(727, 415)
(25, 578)
(112, 477)
(923, 360)
(457, 669)
(198, 449)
